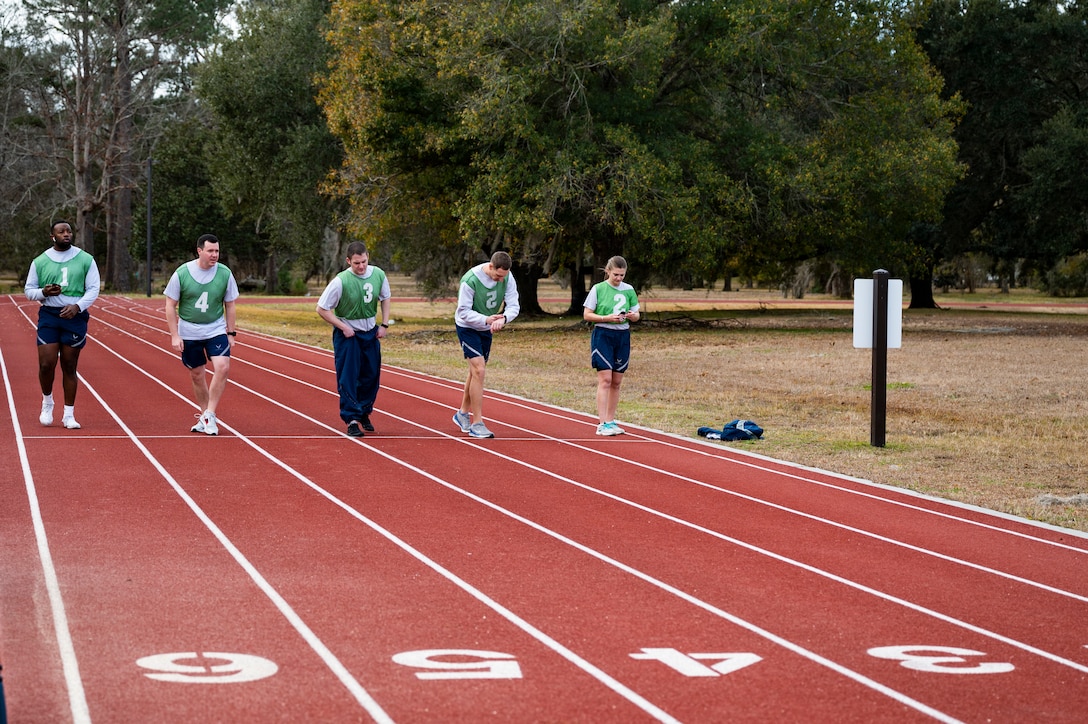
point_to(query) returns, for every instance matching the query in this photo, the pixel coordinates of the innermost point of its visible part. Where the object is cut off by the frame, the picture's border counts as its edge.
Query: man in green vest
(487, 301)
(350, 304)
(65, 280)
(200, 316)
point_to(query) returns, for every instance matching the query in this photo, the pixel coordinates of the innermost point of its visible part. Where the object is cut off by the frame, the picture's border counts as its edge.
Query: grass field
(986, 400)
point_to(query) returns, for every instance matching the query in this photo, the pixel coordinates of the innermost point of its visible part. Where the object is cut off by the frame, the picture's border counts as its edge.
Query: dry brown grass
(987, 407)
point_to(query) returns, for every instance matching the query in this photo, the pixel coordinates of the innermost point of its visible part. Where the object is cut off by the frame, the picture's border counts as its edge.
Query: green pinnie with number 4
(200, 316)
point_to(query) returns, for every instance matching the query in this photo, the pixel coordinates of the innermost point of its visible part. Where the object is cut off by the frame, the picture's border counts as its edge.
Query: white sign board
(863, 313)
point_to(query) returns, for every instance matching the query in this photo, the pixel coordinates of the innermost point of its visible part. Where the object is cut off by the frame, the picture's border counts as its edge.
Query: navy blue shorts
(610, 349)
(196, 352)
(55, 329)
(474, 343)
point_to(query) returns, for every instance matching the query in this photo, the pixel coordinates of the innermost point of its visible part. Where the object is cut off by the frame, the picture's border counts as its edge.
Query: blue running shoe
(463, 420)
(478, 429)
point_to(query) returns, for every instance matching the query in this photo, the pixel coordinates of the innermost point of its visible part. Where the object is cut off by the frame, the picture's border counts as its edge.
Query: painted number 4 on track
(931, 659)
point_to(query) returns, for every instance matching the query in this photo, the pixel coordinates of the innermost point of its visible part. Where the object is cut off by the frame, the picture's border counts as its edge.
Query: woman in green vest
(611, 305)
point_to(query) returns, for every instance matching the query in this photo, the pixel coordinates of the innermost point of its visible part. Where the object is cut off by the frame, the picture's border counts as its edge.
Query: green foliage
(1022, 68)
(21, 240)
(688, 136)
(114, 68)
(184, 204)
(1068, 278)
(1055, 199)
(29, 194)
(270, 149)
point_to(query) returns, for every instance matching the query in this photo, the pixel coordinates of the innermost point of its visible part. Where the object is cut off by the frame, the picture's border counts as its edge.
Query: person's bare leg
(472, 401)
(220, 371)
(47, 366)
(613, 395)
(604, 385)
(200, 386)
(69, 359)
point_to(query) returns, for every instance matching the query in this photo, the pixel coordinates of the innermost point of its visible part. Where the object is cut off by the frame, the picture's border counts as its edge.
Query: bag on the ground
(733, 431)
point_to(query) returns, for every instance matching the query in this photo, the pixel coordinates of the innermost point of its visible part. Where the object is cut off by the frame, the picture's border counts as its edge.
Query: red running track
(285, 572)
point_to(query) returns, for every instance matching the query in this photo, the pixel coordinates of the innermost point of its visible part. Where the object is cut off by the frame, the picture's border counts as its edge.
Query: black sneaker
(354, 430)
(367, 425)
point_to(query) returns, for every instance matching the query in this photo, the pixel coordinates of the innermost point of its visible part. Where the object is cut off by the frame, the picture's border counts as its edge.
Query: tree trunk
(528, 292)
(271, 275)
(578, 290)
(84, 221)
(119, 263)
(604, 248)
(119, 169)
(82, 118)
(921, 292)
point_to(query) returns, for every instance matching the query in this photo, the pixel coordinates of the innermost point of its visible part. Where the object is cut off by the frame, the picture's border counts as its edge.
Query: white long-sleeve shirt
(91, 285)
(467, 317)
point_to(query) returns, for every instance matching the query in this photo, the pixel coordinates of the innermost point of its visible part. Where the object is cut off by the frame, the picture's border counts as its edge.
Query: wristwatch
(232, 334)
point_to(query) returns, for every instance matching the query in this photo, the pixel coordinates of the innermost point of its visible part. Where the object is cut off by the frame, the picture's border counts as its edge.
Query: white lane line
(693, 447)
(760, 550)
(774, 638)
(685, 446)
(789, 561)
(77, 699)
(827, 521)
(792, 511)
(362, 696)
(603, 677)
(784, 559)
(354, 687)
(524, 625)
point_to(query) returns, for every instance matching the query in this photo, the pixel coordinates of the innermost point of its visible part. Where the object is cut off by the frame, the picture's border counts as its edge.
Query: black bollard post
(879, 412)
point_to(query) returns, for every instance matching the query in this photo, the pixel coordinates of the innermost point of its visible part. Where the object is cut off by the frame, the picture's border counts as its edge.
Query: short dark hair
(57, 223)
(206, 238)
(356, 247)
(501, 260)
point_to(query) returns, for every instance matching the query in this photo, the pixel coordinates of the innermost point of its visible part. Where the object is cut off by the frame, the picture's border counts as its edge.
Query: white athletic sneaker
(70, 423)
(199, 426)
(608, 429)
(46, 418)
(211, 426)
